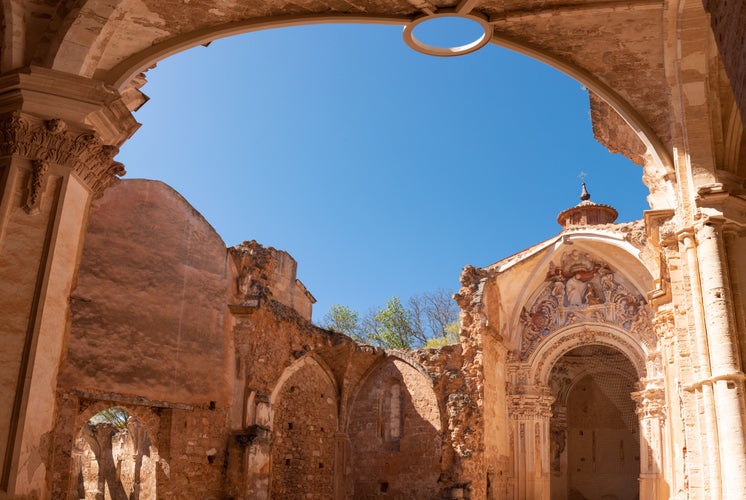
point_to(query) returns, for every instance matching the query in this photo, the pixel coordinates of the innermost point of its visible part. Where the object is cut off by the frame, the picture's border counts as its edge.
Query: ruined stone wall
(148, 312)
(188, 447)
(267, 272)
(304, 423)
(242, 396)
(394, 434)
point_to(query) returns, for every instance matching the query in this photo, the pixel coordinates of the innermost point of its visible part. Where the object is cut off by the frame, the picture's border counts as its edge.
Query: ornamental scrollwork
(50, 142)
(530, 406)
(582, 289)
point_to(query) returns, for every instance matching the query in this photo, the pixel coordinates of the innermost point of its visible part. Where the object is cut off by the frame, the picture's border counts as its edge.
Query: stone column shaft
(710, 436)
(724, 358)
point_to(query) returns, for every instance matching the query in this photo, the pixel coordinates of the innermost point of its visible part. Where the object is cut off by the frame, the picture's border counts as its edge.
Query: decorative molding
(36, 187)
(530, 406)
(51, 142)
(663, 323)
(583, 290)
(579, 336)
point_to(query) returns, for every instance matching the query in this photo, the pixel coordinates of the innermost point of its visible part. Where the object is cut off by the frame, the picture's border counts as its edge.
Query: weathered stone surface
(149, 309)
(203, 344)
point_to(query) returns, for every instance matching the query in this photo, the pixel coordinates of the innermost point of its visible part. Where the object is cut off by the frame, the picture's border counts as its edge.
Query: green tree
(429, 319)
(452, 333)
(342, 319)
(391, 327)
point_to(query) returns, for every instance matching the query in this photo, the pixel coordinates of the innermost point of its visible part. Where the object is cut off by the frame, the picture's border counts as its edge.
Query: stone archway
(50, 34)
(594, 431)
(114, 458)
(394, 428)
(533, 392)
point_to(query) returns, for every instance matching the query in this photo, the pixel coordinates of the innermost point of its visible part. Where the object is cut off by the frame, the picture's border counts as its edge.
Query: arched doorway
(114, 458)
(594, 430)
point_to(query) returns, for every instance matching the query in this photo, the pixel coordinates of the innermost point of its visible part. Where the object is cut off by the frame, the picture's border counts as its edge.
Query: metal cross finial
(584, 194)
(582, 176)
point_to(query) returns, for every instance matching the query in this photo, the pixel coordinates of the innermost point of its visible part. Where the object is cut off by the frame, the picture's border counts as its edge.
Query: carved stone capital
(50, 142)
(651, 401)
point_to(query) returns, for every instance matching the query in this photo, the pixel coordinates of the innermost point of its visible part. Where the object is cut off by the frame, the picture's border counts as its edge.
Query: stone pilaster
(58, 137)
(258, 455)
(530, 412)
(341, 462)
(651, 410)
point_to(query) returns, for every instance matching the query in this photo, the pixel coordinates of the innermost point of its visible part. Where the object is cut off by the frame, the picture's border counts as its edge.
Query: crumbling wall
(244, 397)
(613, 132)
(270, 273)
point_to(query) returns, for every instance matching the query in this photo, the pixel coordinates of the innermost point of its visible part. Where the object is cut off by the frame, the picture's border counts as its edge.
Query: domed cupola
(586, 213)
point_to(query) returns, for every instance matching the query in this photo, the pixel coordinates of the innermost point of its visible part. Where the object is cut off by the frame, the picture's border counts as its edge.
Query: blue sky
(381, 170)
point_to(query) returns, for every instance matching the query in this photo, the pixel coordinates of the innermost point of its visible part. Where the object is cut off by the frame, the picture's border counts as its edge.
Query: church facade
(142, 360)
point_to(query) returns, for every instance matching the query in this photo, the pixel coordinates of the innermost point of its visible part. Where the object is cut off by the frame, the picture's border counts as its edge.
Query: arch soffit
(580, 374)
(593, 242)
(391, 356)
(310, 361)
(563, 341)
(120, 75)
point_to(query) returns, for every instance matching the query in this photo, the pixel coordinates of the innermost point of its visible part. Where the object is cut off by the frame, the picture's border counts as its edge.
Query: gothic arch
(389, 430)
(311, 361)
(391, 355)
(304, 422)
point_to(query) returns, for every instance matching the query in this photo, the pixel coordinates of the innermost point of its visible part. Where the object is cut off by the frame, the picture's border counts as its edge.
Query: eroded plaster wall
(148, 312)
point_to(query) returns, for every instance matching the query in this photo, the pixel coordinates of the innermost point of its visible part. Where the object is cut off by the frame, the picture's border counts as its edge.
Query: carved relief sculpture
(583, 289)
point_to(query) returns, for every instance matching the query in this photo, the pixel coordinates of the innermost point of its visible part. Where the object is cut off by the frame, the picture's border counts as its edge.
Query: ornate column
(727, 379)
(651, 409)
(529, 418)
(58, 136)
(709, 462)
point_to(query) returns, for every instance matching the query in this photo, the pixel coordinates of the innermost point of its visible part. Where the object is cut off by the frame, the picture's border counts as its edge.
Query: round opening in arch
(447, 34)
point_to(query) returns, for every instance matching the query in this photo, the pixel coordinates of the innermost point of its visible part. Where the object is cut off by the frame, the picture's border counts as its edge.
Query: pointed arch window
(390, 415)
